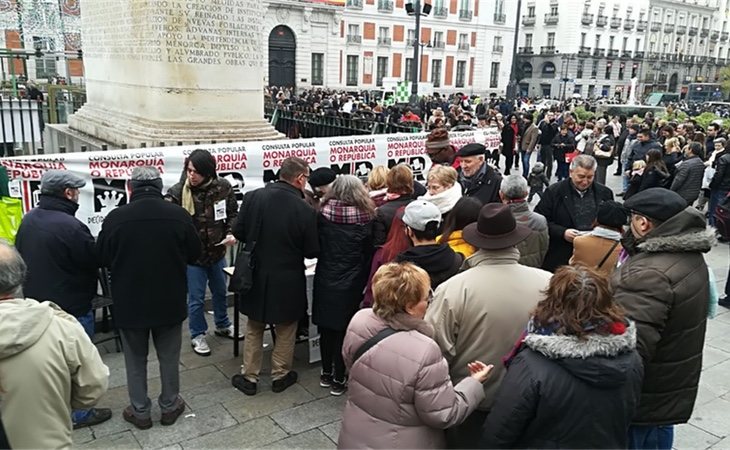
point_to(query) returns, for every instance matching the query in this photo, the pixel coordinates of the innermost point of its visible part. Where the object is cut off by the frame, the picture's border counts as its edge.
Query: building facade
(594, 48)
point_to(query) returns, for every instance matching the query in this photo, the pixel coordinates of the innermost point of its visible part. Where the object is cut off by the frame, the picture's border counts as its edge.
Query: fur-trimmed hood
(685, 232)
(600, 360)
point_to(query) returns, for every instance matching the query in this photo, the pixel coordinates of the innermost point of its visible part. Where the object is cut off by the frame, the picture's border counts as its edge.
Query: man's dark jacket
(59, 252)
(288, 234)
(557, 205)
(148, 244)
(485, 187)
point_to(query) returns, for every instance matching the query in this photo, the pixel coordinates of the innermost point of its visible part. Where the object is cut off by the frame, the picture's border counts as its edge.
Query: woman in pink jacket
(400, 394)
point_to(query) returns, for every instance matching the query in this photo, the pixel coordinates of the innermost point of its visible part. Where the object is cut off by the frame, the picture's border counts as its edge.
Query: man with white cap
(422, 219)
(62, 263)
(479, 314)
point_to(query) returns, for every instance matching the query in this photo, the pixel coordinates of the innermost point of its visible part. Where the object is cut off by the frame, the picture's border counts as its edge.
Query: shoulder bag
(370, 343)
(610, 251)
(242, 278)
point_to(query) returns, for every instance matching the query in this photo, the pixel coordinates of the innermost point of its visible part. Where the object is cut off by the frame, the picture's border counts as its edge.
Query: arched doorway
(673, 82)
(282, 57)
(548, 70)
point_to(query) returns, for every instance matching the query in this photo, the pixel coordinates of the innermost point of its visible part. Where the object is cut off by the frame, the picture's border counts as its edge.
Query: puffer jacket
(210, 231)
(399, 392)
(343, 264)
(688, 179)
(664, 287)
(533, 249)
(458, 244)
(49, 365)
(564, 392)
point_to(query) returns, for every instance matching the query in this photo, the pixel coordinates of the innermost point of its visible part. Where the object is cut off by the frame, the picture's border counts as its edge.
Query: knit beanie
(438, 138)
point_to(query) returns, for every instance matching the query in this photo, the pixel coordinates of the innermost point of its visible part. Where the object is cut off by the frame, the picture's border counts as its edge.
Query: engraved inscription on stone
(209, 32)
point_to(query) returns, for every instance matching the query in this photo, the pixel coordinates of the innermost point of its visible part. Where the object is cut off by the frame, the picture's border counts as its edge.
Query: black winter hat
(473, 149)
(321, 177)
(656, 203)
(612, 214)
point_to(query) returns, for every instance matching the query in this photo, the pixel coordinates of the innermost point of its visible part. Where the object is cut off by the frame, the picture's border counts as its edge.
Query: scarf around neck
(187, 201)
(444, 200)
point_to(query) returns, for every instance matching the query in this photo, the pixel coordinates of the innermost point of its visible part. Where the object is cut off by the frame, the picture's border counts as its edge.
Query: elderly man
(144, 242)
(476, 177)
(477, 315)
(47, 361)
(664, 287)
(570, 207)
(514, 192)
(62, 262)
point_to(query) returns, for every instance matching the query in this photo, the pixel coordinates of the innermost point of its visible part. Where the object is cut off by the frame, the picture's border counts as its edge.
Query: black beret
(612, 214)
(656, 203)
(473, 149)
(321, 177)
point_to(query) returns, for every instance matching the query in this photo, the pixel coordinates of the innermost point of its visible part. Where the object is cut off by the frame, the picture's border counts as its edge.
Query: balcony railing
(641, 25)
(498, 48)
(626, 54)
(704, 32)
(693, 31)
(629, 24)
(587, 19)
(464, 46)
(656, 26)
(681, 29)
(528, 21)
(385, 6)
(384, 42)
(547, 50)
(701, 59)
(584, 51)
(668, 27)
(615, 22)
(465, 14)
(551, 19)
(354, 39)
(599, 52)
(354, 4)
(439, 44)
(712, 60)
(525, 50)
(613, 53)
(500, 18)
(689, 59)
(601, 21)
(639, 54)
(724, 36)
(441, 12)
(715, 36)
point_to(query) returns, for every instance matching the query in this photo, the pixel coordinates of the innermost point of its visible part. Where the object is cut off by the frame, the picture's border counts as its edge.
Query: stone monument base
(118, 130)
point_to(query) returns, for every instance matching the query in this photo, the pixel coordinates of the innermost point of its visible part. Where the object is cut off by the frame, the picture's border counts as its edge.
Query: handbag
(370, 343)
(242, 278)
(569, 157)
(11, 213)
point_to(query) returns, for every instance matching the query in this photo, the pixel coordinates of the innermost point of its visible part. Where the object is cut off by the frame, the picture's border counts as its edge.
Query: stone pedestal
(173, 71)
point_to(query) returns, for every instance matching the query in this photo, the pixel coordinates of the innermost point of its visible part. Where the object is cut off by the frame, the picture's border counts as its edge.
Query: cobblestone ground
(306, 416)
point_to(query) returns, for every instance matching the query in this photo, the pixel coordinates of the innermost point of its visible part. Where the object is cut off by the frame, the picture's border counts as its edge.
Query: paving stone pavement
(306, 416)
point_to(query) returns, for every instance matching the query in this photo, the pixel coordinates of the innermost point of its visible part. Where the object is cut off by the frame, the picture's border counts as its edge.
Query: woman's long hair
(350, 190)
(397, 240)
(576, 298)
(655, 160)
(464, 212)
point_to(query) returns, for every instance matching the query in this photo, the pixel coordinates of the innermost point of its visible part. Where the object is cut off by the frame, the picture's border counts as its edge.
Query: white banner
(247, 165)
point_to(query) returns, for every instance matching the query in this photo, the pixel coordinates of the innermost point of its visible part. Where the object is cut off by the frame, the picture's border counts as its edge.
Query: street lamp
(567, 59)
(418, 10)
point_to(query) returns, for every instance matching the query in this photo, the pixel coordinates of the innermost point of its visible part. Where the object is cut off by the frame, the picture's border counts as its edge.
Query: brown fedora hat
(495, 229)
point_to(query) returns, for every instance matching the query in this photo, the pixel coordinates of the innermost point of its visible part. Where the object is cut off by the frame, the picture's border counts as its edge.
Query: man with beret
(476, 177)
(664, 288)
(62, 262)
(570, 207)
(320, 180)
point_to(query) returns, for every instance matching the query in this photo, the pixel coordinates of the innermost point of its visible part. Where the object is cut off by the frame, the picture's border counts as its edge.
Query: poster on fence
(247, 165)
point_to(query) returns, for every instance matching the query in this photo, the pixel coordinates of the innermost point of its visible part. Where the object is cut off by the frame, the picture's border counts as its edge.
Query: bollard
(84, 148)
(62, 149)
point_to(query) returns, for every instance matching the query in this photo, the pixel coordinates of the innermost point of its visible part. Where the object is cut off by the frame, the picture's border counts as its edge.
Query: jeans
(215, 278)
(715, 199)
(625, 178)
(86, 321)
(563, 169)
(525, 163)
(651, 437)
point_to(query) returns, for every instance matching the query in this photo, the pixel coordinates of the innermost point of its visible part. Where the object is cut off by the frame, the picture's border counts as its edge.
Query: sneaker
(724, 302)
(95, 417)
(200, 345)
(228, 332)
(170, 418)
(325, 380)
(142, 424)
(284, 382)
(338, 388)
(242, 384)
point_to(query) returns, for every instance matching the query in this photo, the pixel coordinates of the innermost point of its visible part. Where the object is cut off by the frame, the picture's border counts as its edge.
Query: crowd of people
(452, 314)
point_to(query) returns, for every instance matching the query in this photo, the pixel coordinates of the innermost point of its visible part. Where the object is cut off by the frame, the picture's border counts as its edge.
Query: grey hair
(720, 140)
(514, 187)
(584, 162)
(145, 173)
(350, 190)
(12, 271)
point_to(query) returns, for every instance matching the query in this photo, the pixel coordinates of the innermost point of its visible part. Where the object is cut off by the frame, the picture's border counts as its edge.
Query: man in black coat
(62, 262)
(570, 207)
(148, 244)
(284, 228)
(476, 177)
(548, 131)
